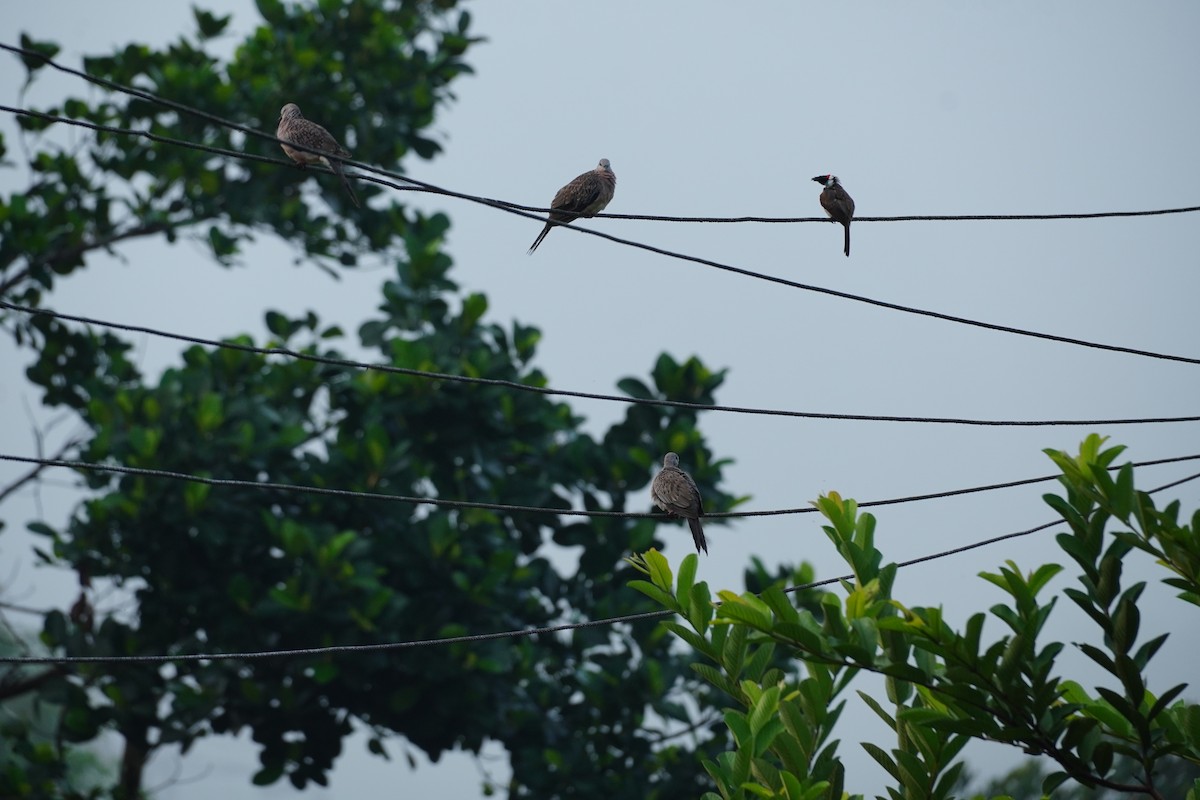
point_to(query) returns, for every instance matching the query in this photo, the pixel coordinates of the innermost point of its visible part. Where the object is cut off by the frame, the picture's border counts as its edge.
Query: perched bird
(837, 203)
(294, 128)
(675, 493)
(586, 196)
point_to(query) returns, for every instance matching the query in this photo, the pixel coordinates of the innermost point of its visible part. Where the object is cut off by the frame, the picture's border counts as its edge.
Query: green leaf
(713, 676)
(1099, 656)
(635, 388)
(780, 604)
(1163, 702)
(874, 705)
(1126, 621)
(333, 549)
(660, 569)
(700, 609)
(1043, 575)
(746, 609)
(1053, 781)
(765, 709)
(324, 672)
(759, 660)
(272, 12)
(209, 25)
(687, 576)
(733, 654)
(1102, 758)
(267, 775)
(883, 759)
(279, 325)
(474, 307)
(740, 729)
(194, 495)
(664, 599)
(210, 413)
(1147, 651)
(35, 62)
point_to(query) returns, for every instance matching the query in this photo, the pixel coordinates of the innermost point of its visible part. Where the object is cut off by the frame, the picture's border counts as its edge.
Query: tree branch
(37, 470)
(16, 688)
(65, 253)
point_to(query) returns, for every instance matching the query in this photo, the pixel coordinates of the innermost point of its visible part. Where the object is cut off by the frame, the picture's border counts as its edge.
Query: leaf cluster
(946, 686)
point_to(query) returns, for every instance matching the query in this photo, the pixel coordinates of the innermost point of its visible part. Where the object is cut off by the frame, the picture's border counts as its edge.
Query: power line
(512, 208)
(116, 469)
(515, 209)
(511, 634)
(427, 188)
(549, 391)
(418, 185)
(430, 188)
(910, 217)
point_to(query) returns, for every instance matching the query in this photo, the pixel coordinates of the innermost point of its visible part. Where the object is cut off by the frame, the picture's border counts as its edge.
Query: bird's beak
(821, 178)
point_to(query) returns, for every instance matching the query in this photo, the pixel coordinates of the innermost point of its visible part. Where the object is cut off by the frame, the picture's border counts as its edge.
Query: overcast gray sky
(937, 108)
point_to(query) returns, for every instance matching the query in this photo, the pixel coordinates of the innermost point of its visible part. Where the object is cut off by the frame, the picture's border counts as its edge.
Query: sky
(937, 108)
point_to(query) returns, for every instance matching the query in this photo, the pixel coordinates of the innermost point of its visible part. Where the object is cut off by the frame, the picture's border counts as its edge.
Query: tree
(32, 763)
(245, 568)
(1173, 778)
(945, 686)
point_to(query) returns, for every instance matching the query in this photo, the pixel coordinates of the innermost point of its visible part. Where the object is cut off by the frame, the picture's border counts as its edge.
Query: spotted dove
(294, 128)
(675, 492)
(586, 196)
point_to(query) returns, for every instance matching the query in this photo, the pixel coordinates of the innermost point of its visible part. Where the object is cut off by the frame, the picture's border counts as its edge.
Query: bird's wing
(310, 134)
(676, 492)
(837, 204)
(828, 204)
(696, 498)
(578, 195)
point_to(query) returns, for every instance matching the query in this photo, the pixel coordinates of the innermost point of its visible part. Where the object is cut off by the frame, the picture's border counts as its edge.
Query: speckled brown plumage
(294, 128)
(586, 196)
(676, 493)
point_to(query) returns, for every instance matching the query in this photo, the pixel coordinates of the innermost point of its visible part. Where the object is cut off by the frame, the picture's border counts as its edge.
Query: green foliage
(236, 569)
(394, 57)
(35, 763)
(224, 569)
(782, 727)
(944, 686)
(1173, 778)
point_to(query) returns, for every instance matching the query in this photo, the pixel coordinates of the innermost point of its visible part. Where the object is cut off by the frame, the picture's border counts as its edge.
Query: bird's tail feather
(698, 535)
(847, 240)
(341, 173)
(541, 236)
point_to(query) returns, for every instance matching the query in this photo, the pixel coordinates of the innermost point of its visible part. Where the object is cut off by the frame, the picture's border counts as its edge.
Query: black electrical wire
(143, 472)
(490, 637)
(515, 209)
(548, 391)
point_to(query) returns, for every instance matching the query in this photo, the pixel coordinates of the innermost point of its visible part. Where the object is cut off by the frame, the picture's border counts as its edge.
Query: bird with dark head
(837, 203)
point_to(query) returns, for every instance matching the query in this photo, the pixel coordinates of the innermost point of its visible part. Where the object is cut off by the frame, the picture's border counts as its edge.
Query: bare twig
(76, 250)
(10, 689)
(37, 470)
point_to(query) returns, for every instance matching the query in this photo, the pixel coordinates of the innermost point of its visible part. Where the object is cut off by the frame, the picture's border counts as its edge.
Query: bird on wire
(676, 493)
(586, 196)
(837, 203)
(294, 128)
